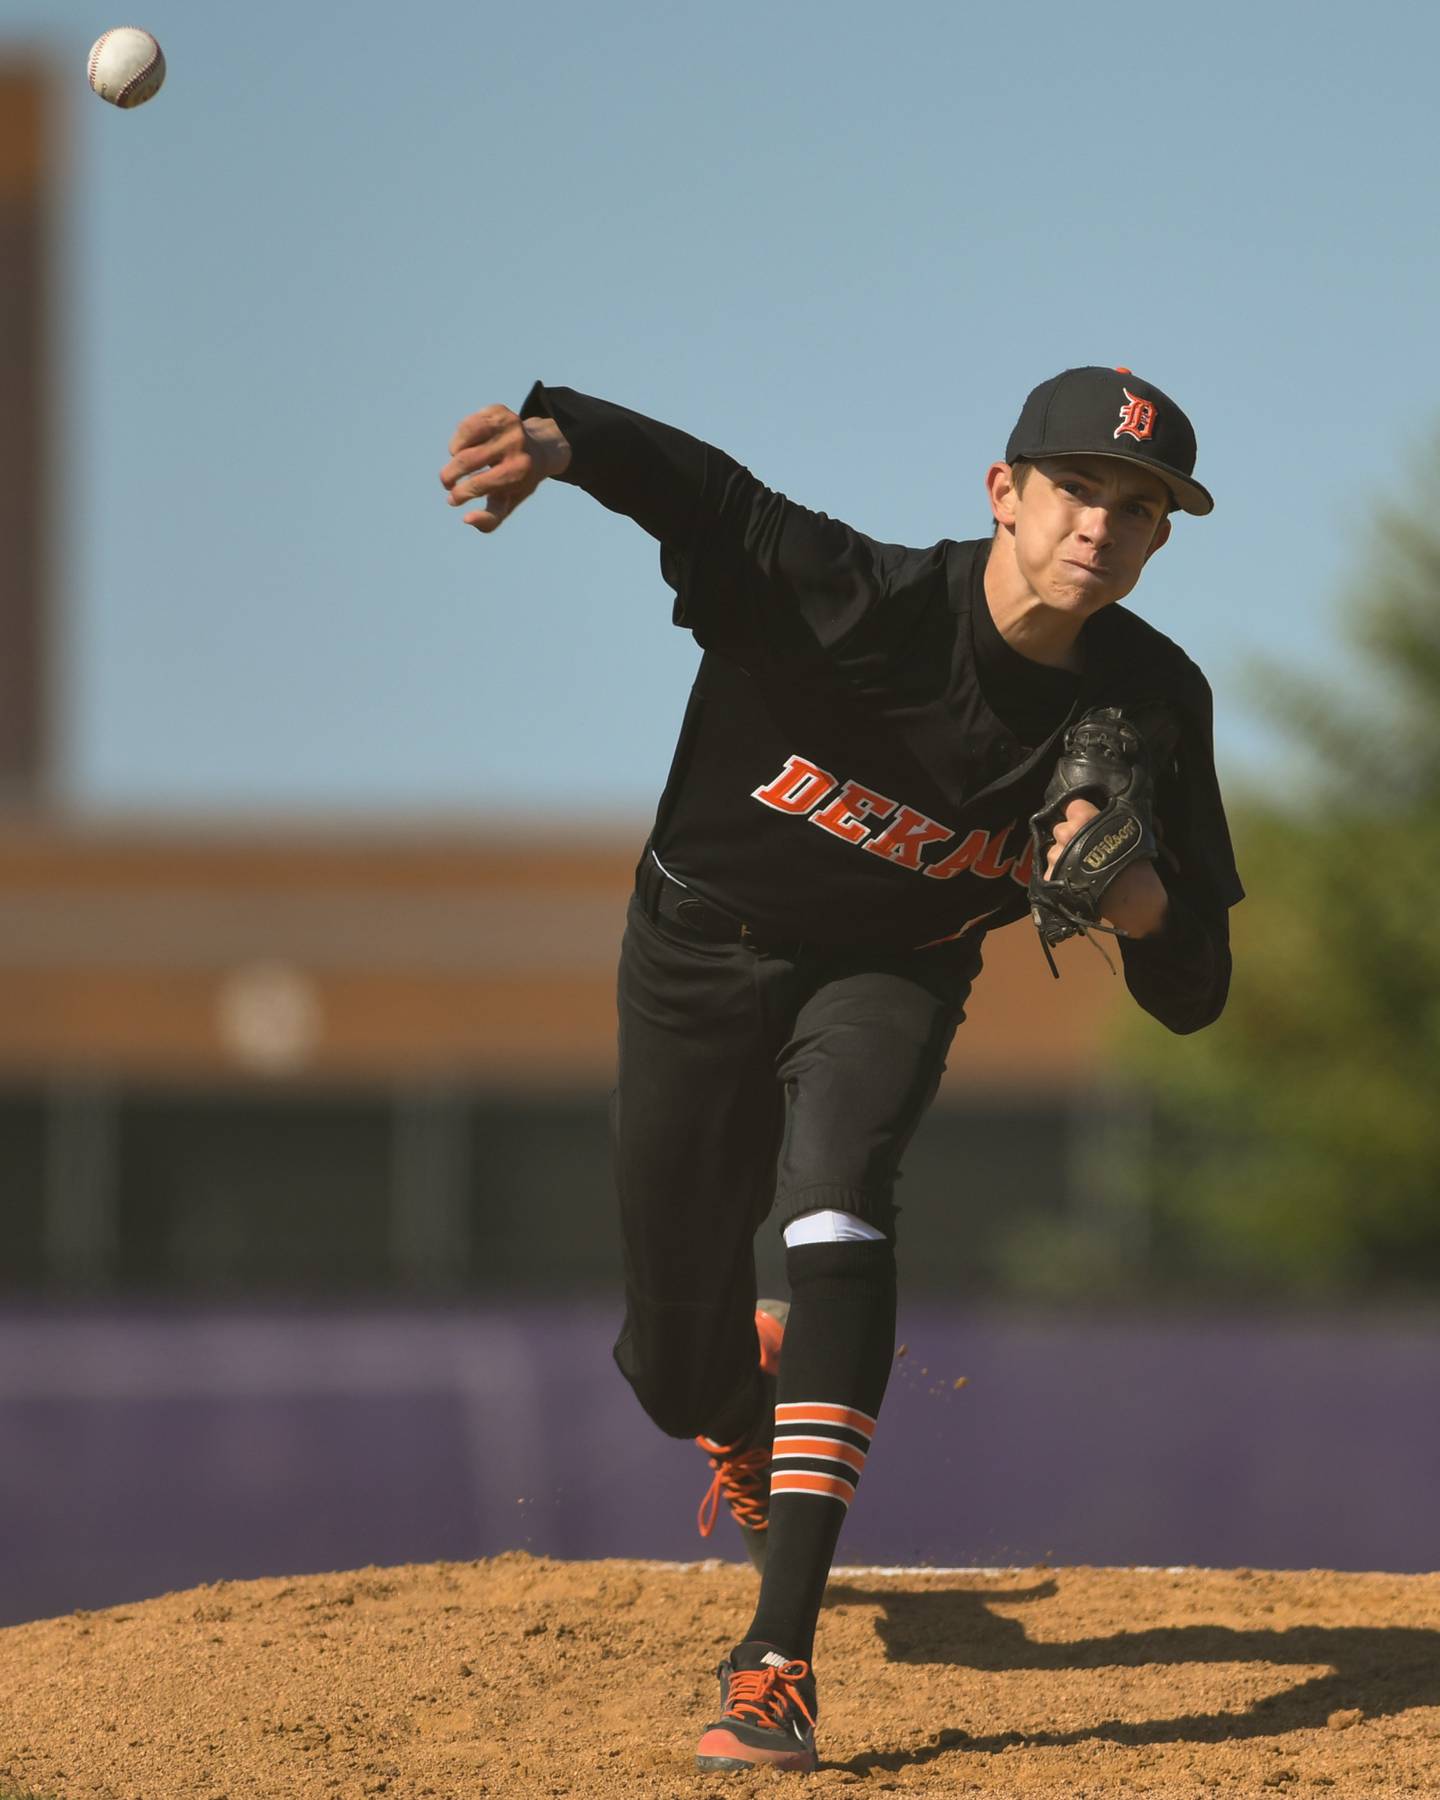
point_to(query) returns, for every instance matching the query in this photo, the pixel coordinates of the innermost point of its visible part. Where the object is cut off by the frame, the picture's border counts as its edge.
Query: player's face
(1084, 527)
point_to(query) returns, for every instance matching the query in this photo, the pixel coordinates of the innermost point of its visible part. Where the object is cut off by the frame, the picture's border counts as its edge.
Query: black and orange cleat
(768, 1714)
(742, 1469)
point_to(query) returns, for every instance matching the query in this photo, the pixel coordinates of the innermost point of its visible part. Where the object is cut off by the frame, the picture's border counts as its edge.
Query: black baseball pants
(750, 1080)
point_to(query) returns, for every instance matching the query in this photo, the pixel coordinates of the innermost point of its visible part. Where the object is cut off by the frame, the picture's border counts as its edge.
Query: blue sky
(840, 240)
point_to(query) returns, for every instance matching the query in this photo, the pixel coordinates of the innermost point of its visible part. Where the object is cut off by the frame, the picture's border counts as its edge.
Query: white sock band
(830, 1228)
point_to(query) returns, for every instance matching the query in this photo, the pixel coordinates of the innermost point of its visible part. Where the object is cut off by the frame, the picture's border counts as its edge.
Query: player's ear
(1001, 486)
(1162, 536)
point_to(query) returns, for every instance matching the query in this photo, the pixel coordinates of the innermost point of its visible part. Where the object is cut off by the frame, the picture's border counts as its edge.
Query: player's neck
(1032, 629)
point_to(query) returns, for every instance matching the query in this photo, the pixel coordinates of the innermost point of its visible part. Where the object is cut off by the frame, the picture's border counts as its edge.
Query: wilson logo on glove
(1112, 845)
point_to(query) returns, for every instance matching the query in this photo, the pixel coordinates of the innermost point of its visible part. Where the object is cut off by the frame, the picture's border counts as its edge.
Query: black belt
(664, 897)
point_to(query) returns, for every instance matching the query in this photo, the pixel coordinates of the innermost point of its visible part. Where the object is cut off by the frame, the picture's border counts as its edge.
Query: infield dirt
(520, 1676)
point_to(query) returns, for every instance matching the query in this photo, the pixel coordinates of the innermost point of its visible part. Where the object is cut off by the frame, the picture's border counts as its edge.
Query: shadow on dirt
(1377, 1669)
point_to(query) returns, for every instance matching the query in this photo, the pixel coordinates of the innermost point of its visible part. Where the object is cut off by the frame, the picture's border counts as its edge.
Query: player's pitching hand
(500, 458)
(1135, 902)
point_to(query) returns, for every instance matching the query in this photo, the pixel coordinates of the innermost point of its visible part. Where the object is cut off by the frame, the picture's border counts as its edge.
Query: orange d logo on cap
(1137, 417)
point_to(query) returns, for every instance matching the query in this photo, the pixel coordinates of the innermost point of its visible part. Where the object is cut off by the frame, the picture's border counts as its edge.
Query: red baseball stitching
(100, 44)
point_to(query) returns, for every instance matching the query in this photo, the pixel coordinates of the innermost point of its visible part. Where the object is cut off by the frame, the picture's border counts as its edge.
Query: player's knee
(683, 1412)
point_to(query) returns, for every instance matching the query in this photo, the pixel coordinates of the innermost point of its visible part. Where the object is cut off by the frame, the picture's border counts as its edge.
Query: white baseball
(127, 66)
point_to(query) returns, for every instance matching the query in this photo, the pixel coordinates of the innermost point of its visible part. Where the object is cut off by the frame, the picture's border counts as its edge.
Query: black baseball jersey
(862, 750)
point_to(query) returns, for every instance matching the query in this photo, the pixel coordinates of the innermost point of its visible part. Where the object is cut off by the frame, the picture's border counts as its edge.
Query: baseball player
(871, 730)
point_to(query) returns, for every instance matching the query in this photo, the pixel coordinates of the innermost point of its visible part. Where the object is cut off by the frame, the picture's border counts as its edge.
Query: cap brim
(1190, 497)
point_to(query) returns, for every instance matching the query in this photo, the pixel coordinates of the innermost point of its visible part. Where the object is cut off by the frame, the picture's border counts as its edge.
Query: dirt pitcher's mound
(522, 1677)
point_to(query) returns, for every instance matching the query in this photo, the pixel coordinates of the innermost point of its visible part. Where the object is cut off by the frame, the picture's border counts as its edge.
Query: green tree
(1298, 1145)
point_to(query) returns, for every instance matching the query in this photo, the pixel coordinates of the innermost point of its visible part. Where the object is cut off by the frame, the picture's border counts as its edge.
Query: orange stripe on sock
(805, 1481)
(830, 1448)
(822, 1413)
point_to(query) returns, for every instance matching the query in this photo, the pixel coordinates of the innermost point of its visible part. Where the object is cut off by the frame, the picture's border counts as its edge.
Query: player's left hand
(1135, 901)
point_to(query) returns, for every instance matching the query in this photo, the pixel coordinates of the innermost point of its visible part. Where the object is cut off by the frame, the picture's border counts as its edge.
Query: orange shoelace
(743, 1478)
(763, 1694)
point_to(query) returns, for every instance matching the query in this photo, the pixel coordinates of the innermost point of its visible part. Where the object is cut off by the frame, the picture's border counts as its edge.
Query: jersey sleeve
(1181, 975)
(750, 569)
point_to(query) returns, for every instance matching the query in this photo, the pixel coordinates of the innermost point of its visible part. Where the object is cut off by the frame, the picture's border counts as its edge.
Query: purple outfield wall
(143, 1450)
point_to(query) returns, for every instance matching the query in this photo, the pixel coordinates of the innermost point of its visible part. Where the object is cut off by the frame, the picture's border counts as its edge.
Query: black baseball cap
(1111, 412)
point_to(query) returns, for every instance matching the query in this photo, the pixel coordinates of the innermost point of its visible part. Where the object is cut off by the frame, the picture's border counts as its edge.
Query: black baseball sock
(839, 1345)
